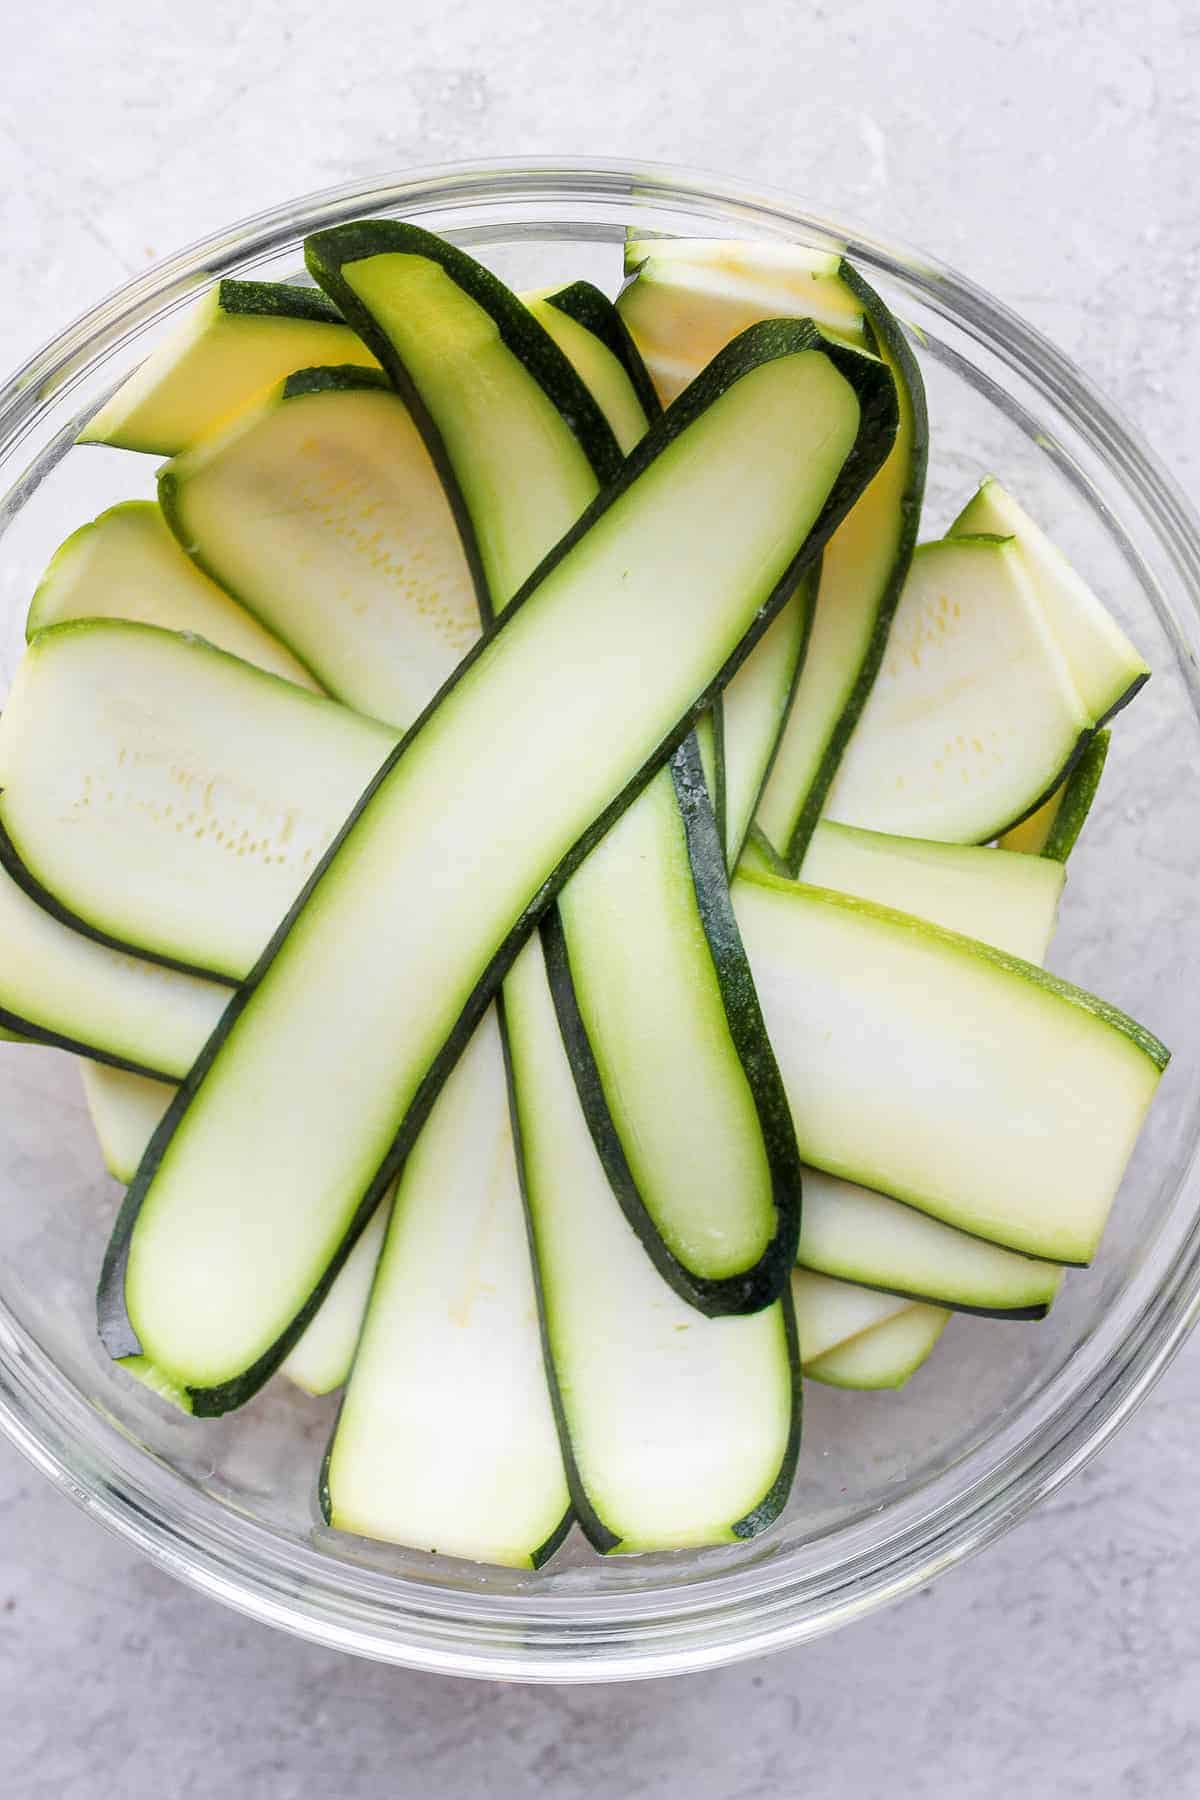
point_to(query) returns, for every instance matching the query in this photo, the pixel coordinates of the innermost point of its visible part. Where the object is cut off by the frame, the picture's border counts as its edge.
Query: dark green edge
(891, 341)
(757, 1286)
(1076, 803)
(776, 1497)
(276, 300)
(592, 309)
(759, 345)
(24, 877)
(54, 1040)
(720, 800)
(808, 590)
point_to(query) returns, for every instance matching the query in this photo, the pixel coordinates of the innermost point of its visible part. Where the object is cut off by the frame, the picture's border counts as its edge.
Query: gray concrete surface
(1049, 147)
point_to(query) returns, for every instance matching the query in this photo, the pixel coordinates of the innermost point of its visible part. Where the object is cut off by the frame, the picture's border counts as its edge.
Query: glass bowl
(892, 1488)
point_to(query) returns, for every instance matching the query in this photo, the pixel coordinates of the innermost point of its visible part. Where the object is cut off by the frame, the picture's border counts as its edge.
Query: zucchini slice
(885, 1357)
(1052, 1083)
(855, 1235)
(974, 719)
(1053, 830)
(688, 296)
(829, 1313)
(237, 342)
(197, 765)
(678, 1430)
(1106, 668)
(125, 1110)
(754, 710)
(127, 565)
(446, 1439)
(448, 824)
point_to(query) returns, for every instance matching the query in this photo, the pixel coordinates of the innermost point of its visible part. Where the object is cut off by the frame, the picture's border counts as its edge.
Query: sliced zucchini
(1023, 1096)
(446, 1439)
(855, 1235)
(588, 331)
(125, 1110)
(687, 299)
(1106, 668)
(1053, 830)
(448, 825)
(237, 342)
(679, 1430)
(320, 1361)
(196, 764)
(829, 1313)
(127, 565)
(754, 709)
(887, 1356)
(60, 987)
(1004, 899)
(321, 510)
(974, 718)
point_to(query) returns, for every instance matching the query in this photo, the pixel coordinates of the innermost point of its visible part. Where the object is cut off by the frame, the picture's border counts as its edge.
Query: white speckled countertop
(1049, 147)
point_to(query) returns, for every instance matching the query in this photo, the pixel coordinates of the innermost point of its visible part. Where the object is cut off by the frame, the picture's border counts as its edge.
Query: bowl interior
(890, 1486)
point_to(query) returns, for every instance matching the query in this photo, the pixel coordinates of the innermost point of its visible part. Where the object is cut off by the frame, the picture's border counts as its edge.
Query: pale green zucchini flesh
(319, 1138)
(127, 565)
(1105, 667)
(973, 719)
(1053, 830)
(829, 1313)
(679, 1430)
(1023, 1096)
(886, 1357)
(237, 342)
(754, 709)
(446, 1439)
(125, 1110)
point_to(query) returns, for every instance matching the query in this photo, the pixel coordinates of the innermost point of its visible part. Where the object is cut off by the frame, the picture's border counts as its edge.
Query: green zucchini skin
(760, 344)
(776, 1497)
(593, 310)
(756, 1287)
(893, 344)
(1072, 814)
(11, 863)
(277, 300)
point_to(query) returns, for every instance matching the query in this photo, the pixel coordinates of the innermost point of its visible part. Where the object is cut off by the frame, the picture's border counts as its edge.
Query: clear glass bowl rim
(721, 1617)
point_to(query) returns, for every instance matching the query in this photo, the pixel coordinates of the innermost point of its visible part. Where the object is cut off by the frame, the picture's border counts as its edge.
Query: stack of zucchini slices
(549, 883)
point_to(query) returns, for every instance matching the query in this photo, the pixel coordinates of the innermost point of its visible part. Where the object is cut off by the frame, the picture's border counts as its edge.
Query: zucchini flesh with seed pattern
(210, 1320)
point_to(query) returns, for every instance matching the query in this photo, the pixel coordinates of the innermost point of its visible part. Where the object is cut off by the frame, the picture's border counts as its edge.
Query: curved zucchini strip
(887, 1356)
(197, 765)
(237, 342)
(1053, 830)
(448, 819)
(754, 710)
(1052, 1081)
(688, 296)
(125, 1110)
(647, 970)
(1106, 668)
(126, 564)
(678, 1430)
(974, 719)
(855, 1235)
(446, 1438)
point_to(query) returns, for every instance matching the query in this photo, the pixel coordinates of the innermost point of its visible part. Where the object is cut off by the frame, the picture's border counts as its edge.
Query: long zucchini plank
(126, 564)
(1053, 830)
(1105, 667)
(237, 342)
(446, 1439)
(886, 1357)
(974, 718)
(678, 1429)
(830, 1313)
(687, 297)
(755, 708)
(1023, 1096)
(446, 824)
(637, 893)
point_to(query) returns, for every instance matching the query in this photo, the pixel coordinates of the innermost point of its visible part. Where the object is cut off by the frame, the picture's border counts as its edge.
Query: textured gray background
(1049, 147)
